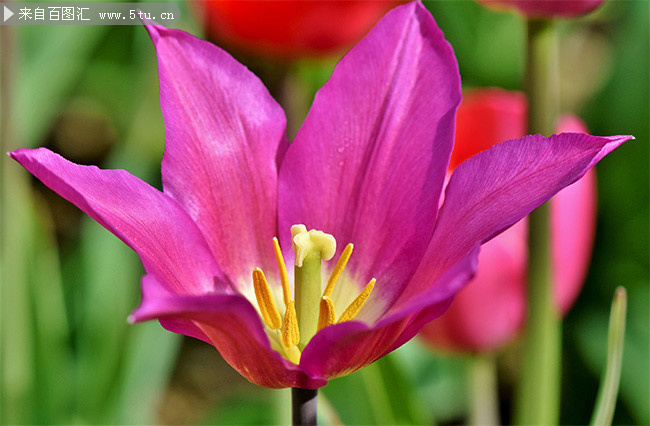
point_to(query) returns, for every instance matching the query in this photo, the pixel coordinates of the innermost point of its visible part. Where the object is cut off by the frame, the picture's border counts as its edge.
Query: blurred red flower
(546, 8)
(491, 310)
(291, 28)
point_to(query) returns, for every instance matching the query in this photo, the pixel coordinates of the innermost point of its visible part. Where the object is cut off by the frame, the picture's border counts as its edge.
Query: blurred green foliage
(90, 93)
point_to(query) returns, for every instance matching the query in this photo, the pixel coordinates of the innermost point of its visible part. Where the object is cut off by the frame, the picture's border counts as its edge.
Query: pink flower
(546, 8)
(491, 310)
(367, 166)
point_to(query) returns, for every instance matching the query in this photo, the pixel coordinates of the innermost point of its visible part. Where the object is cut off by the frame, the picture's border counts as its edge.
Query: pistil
(310, 311)
(310, 247)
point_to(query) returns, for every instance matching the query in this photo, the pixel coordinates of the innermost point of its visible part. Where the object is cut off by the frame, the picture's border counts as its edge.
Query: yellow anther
(290, 332)
(338, 269)
(265, 300)
(284, 276)
(357, 304)
(293, 353)
(326, 315)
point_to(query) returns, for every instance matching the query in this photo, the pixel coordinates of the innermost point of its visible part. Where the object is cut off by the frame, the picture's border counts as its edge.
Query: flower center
(310, 311)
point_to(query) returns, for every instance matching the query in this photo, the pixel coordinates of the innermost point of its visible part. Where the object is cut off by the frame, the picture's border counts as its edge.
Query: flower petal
(233, 327)
(152, 290)
(169, 244)
(223, 130)
(343, 348)
(492, 309)
(369, 162)
(494, 189)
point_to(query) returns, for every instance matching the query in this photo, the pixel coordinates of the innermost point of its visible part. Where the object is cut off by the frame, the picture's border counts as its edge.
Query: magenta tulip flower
(546, 8)
(491, 310)
(367, 167)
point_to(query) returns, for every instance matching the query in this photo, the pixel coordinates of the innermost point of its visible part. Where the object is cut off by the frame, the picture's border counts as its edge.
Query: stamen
(284, 276)
(310, 247)
(338, 269)
(290, 331)
(265, 300)
(326, 315)
(357, 303)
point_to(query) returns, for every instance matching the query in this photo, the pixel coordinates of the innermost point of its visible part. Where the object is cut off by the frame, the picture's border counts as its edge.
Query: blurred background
(90, 93)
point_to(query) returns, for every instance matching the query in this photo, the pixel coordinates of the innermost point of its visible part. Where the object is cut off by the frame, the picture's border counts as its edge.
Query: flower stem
(304, 405)
(483, 387)
(539, 388)
(542, 85)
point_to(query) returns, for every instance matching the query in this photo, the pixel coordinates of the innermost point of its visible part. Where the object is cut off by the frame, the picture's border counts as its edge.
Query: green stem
(484, 389)
(608, 392)
(539, 388)
(542, 86)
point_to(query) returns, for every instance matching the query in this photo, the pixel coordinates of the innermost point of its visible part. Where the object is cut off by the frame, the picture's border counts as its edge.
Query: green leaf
(634, 386)
(52, 60)
(608, 392)
(17, 379)
(110, 291)
(382, 393)
(250, 408)
(53, 361)
(149, 357)
(439, 380)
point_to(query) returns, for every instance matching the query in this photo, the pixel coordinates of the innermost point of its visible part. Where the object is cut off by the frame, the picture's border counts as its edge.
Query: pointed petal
(169, 244)
(494, 189)
(233, 327)
(223, 130)
(491, 310)
(369, 162)
(343, 348)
